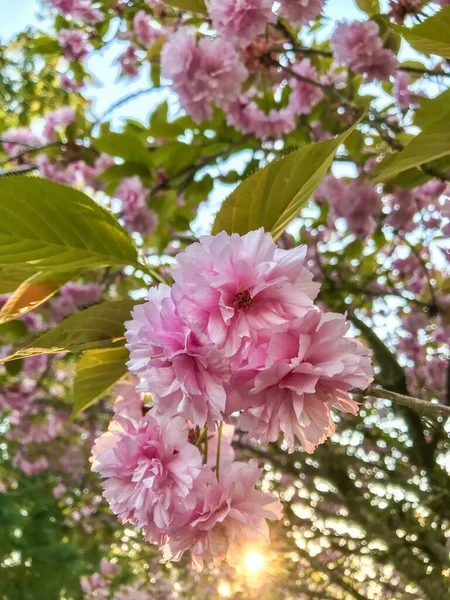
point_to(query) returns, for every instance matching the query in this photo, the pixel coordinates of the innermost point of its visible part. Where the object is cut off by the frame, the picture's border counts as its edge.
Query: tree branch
(414, 403)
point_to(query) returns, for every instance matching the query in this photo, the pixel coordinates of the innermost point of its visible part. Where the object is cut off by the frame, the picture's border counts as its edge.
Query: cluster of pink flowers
(73, 296)
(81, 10)
(242, 20)
(358, 46)
(144, 32)
(351, 200)
(74, 43)
(135, 212)
(237, 334)
(16, 140)
(61, 117)
(203, 72)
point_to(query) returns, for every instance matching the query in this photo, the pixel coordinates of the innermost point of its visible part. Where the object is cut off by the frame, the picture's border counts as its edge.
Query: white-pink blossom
(300, 12)
(74, 43)
(358, 46)
(240, 20)
(203, 73)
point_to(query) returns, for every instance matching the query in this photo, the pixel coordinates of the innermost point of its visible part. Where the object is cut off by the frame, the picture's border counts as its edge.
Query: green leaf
(99, 326)
(432, 36)
(432, 109)
(429, 145)
(370, 7)
(33, 292)
(96, 372)
(273, 196)
(189, 5)
(10, 279)
(117, 172)
(14, 367)
(124, 145)
(49, 226)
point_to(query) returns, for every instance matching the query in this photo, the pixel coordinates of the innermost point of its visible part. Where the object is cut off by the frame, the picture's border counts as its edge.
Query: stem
(219, 443)
(205, 456)
(415, 403)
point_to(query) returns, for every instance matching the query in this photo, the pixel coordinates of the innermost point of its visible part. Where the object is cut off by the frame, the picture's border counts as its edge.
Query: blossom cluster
(236, 339)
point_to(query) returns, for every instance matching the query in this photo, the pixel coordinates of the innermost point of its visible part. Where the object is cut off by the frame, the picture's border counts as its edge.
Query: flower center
(243, 300)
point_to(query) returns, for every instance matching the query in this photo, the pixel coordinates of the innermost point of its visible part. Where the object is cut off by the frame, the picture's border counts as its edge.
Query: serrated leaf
(189, 5)
(429, 145)
(52, 227)
(99, 326)
(33, 292)
(432, 36)
(96, 372)
(273, 196)
(124, 145)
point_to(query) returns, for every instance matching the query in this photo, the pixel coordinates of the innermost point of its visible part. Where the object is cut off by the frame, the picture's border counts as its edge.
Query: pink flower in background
(108, 568)
(399, 9)
(73, 296)
(230, 287)
(358, 46)
(136, 215)
(59, 490)
(35, 365)
(304, 96)
(203, 73)
(70, 85)
(357, 204)
(403, 207)
(300, 12)
(184, 372)
(247, 117)
(30, 468)
(79, 9)
(308, 367)
(227, 516)
(403, 96)
(89, 173)
(73, 43)
(61, 117)
(129, 61)
(240, 21)
(148, 470)
(15, 141)
(144, 32)
(55, 171)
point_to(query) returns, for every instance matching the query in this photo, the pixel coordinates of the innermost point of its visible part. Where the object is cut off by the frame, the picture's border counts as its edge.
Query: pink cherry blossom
(403, 207)
(108, 568)
(28, 467)
(55, 171)
(300, 12)
(184, 372)
(73, 296)
(129, 402)
(79, 9)
(148, 469)
(308, 367)
(245, 116)
(358, 46)
(399, 9)
(59, 490)
(403, 96)
(230, 287)
(136, 215)
(202, 73)
(240, 20)
(61, 117)
(89, 173)
(73, 43)
(15, 141)
(69, 84)
(129, 61)
(228, 516)
(304, 96)
(144, 32)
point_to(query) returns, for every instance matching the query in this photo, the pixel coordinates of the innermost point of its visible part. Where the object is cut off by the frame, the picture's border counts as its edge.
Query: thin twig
(414, 403)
